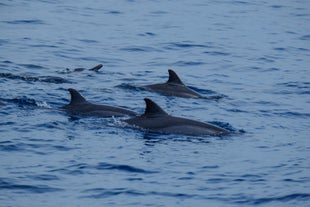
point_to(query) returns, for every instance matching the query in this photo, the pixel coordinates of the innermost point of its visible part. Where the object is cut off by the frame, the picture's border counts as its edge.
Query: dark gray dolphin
(155, 119)
(173, 87)
(80, 106)
(96, 68)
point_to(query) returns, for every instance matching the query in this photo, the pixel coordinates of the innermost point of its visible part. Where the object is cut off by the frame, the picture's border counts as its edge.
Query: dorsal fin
(96, 68)
(174, 78)
(76, 97)
(152, 108)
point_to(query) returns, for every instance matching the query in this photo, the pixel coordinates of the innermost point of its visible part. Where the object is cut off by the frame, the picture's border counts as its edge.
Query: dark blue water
(253, 55)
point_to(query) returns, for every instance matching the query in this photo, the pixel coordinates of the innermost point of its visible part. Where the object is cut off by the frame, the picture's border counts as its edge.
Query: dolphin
(173, 87)
(96, 68)
(155, 119)
(80, 106)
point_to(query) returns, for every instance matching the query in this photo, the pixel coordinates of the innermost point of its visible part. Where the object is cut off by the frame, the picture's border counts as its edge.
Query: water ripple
(188, 63)
(25, 102)
(44, 177)
(81, 168)
(99, 193)
(305, 37)
(183, 45)
(284, 198)
(5, 184)
(125, 168)
(47, 79)
(217, 53)
(31, 66)
(25, 21)
(140, 49)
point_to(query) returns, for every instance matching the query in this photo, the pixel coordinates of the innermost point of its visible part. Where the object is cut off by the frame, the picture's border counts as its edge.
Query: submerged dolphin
(155, 119)
(80, 106)
(173, 87)
(96, 68)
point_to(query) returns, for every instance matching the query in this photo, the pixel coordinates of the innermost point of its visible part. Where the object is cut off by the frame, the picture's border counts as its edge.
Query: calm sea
(252, 55)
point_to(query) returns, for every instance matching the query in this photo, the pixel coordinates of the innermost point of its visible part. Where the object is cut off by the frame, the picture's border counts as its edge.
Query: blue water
(253, 55)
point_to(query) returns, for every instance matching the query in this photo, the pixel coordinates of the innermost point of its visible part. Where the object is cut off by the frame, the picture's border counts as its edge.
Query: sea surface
(249, 58)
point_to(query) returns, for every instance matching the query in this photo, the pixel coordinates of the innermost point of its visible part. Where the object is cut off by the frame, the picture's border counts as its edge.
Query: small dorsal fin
(152, 108)
(96, 68)
(174, 78)
(76, 97)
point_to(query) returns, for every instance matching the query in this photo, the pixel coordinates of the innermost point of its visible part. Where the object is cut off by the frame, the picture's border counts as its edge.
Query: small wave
(151, 34)
(31, 66)
(285, 198)
(44, 46)
(279, 49)
(114, 12)
(37, 148)
(25, 21)
(99, 193)
(7, 62)
(203, 91)
(305, 37)
(276, 6)
(210, 167)
(48, 79)
(24, 101)
(52, 79)
(266, 59)
(5, 184)
(272, 69)
(125, 168)
(77, 169)
(9, 147)
(298, 85)
(293, 114)
(88, 41)
(188, 63)
(159, 12)
(43, 104)
(81, 168)
(7, 123)
(51, 125)
(2, 42)
(216, 53)
(293, 88)
(224, 125)
(241, 2)
(139, 49)
(183, 45)
(44, 177)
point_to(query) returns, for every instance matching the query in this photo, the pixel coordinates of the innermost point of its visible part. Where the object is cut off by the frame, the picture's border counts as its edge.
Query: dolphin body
(96, 68)
(155, 119)
(80, 106)
(173, 87)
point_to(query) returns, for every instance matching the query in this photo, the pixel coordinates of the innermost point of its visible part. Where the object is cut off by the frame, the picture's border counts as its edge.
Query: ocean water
(253, 56)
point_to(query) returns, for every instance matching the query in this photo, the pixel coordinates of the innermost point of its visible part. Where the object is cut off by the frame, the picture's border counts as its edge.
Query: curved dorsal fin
(174, 78)
(96, 68)
(76, 97)
(152, 108)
